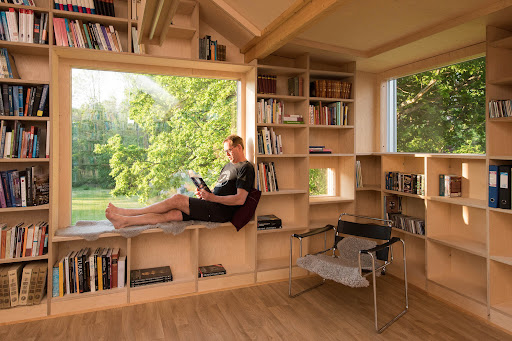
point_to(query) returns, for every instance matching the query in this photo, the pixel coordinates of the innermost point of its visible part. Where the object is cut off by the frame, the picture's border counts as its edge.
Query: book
(150, 275)
(121, 271)
(493, 186)
(269, 221)
(211, 270)
(198, 181)
(15, 272)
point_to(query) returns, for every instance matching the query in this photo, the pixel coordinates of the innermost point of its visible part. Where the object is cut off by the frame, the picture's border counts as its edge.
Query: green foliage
(317, 181)
(184, 126)
(443, 110)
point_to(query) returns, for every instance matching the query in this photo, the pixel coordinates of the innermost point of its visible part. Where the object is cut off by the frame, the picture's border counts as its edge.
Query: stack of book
(295, 86)
(407, 183)
(210, 50)
(99, 7)
(142, 277)
(23, 240)
(269, 142)
(500, 108)
(267, 84)
(21, 141)
(269, 222)
(85, 271)
(328, 88)
(29, 187)
(450, 185)
(293, 119)
(267, 177)
(319, 150)
(86, 35)
(24, 26)
(22, 100)
(270, 111)
(8, 65)
(334, 113)
(393, 208)
(22, 284)
(211, 270)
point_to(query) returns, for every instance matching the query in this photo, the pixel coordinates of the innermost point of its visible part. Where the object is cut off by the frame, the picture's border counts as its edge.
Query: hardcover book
(211, 270)
(198, 181)
(269, 221)
(151, 275)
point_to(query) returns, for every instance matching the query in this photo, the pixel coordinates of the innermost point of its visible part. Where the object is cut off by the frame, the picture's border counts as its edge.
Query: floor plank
(265, 312)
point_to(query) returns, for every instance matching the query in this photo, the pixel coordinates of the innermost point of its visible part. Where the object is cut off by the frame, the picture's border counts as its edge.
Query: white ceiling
(379, 34)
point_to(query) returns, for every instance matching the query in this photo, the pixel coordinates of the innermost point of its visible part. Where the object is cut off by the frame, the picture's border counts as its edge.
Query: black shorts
(209, 211)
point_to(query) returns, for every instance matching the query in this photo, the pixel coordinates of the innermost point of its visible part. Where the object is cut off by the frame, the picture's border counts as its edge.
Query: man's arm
(231, 200)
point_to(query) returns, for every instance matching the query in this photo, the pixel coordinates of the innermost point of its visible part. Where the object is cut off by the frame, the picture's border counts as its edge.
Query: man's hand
(205, 195)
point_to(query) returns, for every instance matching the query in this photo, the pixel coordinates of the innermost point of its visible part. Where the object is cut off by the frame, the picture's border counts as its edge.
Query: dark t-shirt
(233, 176)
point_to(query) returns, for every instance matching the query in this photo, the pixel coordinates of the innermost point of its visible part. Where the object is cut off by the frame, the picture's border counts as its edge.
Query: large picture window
(135, 136)
(439, 111)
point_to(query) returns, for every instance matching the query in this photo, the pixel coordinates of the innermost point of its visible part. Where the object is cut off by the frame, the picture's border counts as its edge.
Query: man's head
(234, 148)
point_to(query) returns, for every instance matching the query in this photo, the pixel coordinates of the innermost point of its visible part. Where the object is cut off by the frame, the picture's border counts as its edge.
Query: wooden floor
(264, 312)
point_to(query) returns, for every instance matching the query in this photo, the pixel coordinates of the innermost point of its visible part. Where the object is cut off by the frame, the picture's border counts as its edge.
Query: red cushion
(245, 213)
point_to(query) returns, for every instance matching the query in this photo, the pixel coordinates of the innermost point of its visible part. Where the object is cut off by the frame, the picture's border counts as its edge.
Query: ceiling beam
(238, 17)
(329, 47)
(293, 21)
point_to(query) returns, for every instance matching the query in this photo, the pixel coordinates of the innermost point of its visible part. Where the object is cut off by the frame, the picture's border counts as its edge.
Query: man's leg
(120, 221)
(176, 202)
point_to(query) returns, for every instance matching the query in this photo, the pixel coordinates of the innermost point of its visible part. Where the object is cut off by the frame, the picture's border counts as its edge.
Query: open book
(198, 181)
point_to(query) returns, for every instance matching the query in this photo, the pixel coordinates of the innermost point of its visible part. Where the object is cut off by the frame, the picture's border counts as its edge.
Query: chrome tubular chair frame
(373, 254)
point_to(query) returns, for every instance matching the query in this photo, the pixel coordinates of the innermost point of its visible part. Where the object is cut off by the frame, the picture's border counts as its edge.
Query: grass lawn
(90, 204)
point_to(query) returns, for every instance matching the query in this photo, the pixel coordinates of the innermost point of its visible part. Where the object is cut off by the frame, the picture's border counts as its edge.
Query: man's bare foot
(111, 208)
(117, 220)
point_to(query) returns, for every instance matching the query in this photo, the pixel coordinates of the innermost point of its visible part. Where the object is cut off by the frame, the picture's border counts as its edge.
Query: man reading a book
(235, 181)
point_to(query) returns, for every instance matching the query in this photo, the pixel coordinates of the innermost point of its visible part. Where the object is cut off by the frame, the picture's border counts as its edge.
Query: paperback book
(211, 270)
(269, 222)
(159, 274)
(198, 181)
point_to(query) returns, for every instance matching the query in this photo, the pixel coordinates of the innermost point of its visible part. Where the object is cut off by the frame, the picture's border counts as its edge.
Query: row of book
(99, 7)
(328, 88)
(267, 84)
(319, 150)
(22, 100)
(359, 175)
(24, 26)
(22, 284)
(211, 50)
(296, 86)
(270, 111)
(500, 184)
(85, 271)
(269, 142)
(267, 177)
(8, 67)
(335, 113)
(269, 222)
(500, 108)
(25, 188)
(450, 185)
(23, 240)
(21, 141)
(86, 35)
(19, 2)
(407, 183)
(407, 223)
(136, 9)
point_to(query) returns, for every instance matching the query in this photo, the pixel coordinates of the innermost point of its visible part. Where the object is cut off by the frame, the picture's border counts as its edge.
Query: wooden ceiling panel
(260, 12)
(366, 25)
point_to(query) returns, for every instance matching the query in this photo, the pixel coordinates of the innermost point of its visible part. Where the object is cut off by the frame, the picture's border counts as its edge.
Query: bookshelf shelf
(24, 118)
(500, 210)
(22, 259)
(501, 81)
(6, 6)
(21, 313)
(280, 156)
(273, 263)
(281, 125)
(280, 70)
(501, 119)
(325, 99)
(285, 228)
(457, 242)
(329, 74)
(23, 209)
(117, 22)
(25, 160)
(375, 188)
(409, 233)
(285, 192)
(502, 157)
(88, 295)
(470, 202)
(286, 98)
(410, 195)
(328, 200)
(330, 155)
(231, 270)
(318, 126)
(25, 48)
(504, 308)
(14, 81)
(181, 32)
(503, 260)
